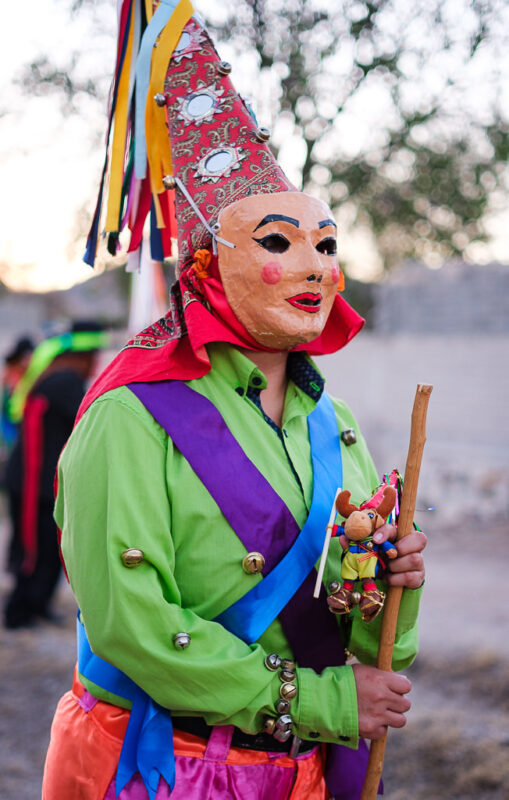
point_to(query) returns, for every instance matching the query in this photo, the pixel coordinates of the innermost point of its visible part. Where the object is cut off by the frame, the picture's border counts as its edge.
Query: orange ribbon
(201, 263)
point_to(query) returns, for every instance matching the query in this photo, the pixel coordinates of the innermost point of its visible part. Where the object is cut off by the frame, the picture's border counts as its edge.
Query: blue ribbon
(152, 31)
(156, 242)
(147, 746)
(252, 614)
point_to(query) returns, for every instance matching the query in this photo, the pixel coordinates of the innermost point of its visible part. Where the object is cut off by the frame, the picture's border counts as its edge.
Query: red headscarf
(174, 346)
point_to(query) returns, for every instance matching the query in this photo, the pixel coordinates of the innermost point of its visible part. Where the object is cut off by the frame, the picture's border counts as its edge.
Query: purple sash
(262, 521)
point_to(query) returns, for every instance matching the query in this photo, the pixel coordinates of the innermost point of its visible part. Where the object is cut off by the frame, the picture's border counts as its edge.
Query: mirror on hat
(200, 106)
(218, 163)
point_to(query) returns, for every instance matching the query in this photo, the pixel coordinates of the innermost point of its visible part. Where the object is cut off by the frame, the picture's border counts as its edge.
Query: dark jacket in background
(33, 556)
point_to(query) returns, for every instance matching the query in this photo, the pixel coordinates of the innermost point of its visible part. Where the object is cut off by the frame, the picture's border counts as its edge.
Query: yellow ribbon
(119, 139)
(156, 132)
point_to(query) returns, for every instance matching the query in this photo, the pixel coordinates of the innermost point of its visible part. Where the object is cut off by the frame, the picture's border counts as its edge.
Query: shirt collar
(305, 375)
(244, 375)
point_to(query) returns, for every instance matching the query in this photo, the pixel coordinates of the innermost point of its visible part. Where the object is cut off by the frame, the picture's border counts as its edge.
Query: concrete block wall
(457, 299)
(465, 469)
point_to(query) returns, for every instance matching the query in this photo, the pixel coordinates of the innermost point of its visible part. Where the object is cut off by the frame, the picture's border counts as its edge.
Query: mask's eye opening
(274, 242)
(328, 246)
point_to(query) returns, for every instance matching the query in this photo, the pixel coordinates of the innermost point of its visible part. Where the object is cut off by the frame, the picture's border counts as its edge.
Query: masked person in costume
(194, 492)
(44, 402)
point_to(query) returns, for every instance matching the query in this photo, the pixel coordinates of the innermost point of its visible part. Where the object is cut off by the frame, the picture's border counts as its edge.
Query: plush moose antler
(383, 509)
(387, 503)
(343, 505)
(362, 522)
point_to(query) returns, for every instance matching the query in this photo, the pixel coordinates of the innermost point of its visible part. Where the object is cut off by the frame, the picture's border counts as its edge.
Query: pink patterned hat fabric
(218, 151)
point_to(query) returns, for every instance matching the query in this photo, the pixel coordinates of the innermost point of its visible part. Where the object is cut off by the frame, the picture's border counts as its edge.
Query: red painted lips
(307, 301)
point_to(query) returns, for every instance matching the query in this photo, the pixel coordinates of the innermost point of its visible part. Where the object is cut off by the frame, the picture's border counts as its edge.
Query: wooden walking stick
(390, 618)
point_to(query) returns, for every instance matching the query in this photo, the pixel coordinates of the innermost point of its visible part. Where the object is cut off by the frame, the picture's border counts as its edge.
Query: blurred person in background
(15, 363)
(44, 403)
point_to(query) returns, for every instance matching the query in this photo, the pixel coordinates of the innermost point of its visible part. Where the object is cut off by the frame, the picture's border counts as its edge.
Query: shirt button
(348, 436)
(344, 738)
(313, 734)
(256, 381)
(132, 557)
(181, 640)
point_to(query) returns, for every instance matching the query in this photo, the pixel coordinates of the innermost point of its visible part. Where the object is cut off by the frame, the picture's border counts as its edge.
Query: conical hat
(219, 152)
(190, 138)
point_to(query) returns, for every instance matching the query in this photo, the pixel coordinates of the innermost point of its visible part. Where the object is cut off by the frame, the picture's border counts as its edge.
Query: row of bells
(252, 563)
(281, 727)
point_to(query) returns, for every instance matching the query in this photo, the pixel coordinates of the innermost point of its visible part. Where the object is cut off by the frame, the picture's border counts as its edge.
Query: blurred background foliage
(391, 111)
(421, 178)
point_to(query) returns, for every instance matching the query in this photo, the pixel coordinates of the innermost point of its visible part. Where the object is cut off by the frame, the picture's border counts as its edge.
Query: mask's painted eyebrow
(325, 222)
(277, 218)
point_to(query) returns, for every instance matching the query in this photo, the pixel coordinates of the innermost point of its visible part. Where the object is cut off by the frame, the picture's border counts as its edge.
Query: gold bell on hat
(253, 563)
(262, 135)
(224, 68)
(169, 182)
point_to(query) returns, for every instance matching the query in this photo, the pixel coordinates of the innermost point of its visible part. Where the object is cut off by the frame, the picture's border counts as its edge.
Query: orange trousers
(85, 745)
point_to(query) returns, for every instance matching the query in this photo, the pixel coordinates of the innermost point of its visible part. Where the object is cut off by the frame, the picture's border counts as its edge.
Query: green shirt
(123, 484)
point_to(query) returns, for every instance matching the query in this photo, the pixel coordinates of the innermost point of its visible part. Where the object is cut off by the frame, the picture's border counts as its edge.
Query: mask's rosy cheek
(272, 272)
(335, 273)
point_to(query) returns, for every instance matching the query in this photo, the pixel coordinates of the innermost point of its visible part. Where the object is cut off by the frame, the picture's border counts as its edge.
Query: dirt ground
(456, 743)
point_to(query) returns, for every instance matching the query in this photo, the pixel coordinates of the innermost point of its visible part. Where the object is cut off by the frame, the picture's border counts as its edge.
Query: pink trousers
(86, 739)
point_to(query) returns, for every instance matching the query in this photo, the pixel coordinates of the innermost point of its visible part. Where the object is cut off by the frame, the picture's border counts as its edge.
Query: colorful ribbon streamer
(138, 153)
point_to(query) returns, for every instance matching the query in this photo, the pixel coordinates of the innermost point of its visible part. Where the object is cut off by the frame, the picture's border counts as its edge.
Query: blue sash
(250, 616)
(147, 746)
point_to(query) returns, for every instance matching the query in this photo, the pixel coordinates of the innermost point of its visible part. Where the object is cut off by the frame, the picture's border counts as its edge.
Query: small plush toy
(362, 558)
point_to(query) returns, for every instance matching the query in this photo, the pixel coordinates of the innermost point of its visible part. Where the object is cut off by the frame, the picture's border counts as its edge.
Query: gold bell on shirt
(253, 563)
(132, 557)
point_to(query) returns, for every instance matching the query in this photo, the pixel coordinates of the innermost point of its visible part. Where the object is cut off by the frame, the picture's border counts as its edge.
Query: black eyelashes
(277, 243)
(274, 242)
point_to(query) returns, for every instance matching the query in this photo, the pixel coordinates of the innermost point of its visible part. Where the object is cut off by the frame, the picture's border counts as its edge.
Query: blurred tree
(391, 111)
(396, 106)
